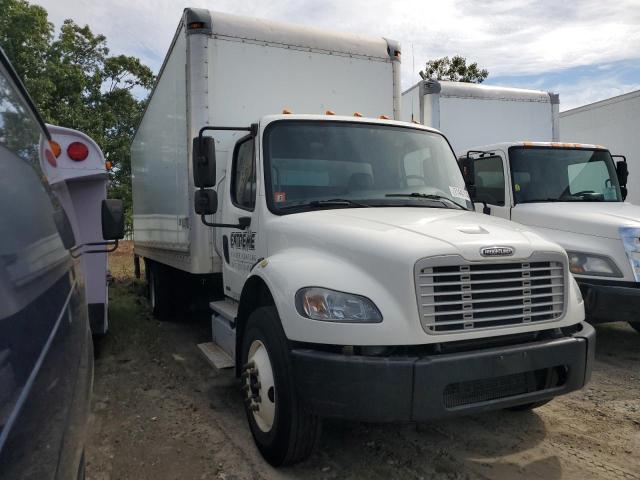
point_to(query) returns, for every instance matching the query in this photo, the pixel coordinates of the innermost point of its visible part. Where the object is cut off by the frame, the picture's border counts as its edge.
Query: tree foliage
(76, 83)
(454, 69)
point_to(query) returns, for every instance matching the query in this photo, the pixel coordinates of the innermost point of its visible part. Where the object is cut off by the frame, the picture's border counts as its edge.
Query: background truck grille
(466, 296)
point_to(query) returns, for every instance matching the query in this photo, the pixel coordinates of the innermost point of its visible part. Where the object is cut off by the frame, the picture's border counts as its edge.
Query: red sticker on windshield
(279, 197)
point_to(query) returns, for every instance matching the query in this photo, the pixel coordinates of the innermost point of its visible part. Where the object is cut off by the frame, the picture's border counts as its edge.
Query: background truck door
(239, 246)
(492, 185)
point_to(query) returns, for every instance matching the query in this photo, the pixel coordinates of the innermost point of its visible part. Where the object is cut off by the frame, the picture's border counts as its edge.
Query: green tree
(454, 69)
(75, 83)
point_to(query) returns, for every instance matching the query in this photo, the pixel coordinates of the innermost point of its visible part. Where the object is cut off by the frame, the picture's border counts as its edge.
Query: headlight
(332, 306)
(631, 240)
(593, 265)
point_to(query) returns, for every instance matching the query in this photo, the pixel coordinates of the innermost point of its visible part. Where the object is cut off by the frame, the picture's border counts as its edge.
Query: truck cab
(574, 195)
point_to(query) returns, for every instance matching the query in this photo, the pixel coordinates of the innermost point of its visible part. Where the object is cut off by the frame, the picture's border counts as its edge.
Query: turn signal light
(55, 148)
(77, 151)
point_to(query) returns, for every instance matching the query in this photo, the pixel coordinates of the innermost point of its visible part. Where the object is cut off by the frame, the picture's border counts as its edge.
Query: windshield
(321, 164)
(547, 174)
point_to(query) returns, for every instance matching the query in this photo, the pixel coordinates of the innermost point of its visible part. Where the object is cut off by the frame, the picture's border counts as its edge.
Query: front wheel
(283, 430)
(635, 325)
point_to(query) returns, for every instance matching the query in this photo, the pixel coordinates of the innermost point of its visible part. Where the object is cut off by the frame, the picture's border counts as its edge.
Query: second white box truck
(353, 278)
(470, 114)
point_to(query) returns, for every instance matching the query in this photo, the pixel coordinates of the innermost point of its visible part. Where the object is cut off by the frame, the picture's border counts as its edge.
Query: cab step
(227, 309)
(216, 356)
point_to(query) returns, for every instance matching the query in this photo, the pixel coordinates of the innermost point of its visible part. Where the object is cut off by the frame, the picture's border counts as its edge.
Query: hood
(404, 232)
(601, 219)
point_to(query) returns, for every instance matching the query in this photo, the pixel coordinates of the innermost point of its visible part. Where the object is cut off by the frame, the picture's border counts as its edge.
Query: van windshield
(551, 174)
(332, 164)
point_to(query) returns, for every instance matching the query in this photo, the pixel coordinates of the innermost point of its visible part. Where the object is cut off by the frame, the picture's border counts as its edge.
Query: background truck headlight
(593, 265)
(631, 240)
(333, 306)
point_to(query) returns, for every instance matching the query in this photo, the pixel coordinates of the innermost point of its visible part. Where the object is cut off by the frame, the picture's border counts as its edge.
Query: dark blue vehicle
(46, 350)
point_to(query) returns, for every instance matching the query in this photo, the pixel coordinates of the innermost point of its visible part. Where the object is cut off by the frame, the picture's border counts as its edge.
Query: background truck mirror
(206, 202)
(466, 167)
(622, 172)
(204, 162)
(112, 219)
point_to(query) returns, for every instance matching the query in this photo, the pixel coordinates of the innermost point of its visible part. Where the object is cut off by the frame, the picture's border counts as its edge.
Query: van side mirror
(204, 162)
(112, 219)
(206, 201)
(622, 172)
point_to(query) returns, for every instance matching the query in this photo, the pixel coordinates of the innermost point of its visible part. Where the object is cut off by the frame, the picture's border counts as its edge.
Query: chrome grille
(462, 296)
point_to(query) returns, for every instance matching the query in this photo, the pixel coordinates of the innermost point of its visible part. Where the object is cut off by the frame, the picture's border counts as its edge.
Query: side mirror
(112, 219)
(622, 172)
(204, 162)
(206, 202)
(468, 174)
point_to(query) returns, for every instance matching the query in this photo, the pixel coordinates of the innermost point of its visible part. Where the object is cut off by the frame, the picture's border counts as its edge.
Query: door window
(243, 182)
(489, 180)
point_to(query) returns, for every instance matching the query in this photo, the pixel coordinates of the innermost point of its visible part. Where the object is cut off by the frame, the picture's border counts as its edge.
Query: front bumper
(610, 301)
(382, 389)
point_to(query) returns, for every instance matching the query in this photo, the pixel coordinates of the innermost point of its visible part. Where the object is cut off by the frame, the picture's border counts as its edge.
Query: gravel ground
(161, 412)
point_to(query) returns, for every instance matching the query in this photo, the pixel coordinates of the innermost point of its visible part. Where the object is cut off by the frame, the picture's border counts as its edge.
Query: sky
(585, 50)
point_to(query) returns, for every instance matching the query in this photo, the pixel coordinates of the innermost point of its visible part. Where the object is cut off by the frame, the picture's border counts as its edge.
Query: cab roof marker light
(357, 114)
(286, 111)
(384, 117)
(329, 112)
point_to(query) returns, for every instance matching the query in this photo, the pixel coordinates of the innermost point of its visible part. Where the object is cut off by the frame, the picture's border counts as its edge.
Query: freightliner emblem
(496, 251)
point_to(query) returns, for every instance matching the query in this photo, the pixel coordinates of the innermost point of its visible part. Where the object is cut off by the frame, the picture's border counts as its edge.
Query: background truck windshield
(309, 161)
(547, 174)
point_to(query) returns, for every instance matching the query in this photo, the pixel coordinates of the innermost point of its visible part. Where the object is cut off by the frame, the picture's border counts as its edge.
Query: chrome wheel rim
(259, 387)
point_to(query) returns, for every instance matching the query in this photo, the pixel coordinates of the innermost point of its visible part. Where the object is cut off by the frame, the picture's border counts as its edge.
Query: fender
(285, 273)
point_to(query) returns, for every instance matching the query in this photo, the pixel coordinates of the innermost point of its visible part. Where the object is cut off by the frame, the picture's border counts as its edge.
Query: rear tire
(636, 326)
(159, 291)
(284, 431)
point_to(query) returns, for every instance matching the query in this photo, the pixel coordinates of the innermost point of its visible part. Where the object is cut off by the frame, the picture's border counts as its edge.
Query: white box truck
(613, 123)
(574, 195)
(470, 114)
(353, 278)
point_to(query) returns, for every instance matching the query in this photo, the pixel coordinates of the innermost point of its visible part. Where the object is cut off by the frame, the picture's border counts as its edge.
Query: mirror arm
(75, 251)
(252, 129)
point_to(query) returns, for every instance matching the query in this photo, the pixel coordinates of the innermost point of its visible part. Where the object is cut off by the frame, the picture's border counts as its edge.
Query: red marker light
(50, 158)
(77, 151)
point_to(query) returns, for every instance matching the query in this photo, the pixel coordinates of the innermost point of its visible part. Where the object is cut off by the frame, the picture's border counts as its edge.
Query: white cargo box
(227, 70)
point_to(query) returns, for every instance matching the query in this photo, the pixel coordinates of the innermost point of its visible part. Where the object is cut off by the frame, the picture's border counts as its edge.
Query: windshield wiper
(333, 202)
(429, 196)
(543, 200)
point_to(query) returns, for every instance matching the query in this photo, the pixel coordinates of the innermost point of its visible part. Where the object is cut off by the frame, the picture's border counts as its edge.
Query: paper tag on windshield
(458, 192)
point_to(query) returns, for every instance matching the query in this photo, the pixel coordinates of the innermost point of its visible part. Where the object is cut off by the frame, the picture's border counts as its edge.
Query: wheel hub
(259, 386)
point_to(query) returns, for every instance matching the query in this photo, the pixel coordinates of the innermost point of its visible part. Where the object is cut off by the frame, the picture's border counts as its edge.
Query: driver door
(491, 185)
(239, 246)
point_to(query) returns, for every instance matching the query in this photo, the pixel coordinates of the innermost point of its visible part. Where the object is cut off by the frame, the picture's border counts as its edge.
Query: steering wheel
(417, 177)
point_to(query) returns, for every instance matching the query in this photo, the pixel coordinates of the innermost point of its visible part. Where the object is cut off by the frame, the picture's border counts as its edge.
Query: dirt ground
(161, 412)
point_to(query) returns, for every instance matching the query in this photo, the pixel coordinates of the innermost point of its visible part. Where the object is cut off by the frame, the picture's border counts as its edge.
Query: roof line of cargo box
(602, 103)
(484, 92)
(256, 30)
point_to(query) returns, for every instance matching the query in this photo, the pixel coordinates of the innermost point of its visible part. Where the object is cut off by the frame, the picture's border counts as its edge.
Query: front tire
(283, 430)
